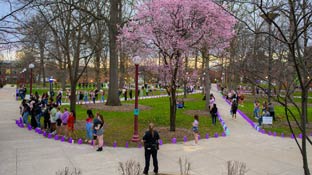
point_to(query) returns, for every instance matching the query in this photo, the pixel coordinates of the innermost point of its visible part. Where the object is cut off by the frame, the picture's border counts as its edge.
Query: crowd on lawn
(57, 121)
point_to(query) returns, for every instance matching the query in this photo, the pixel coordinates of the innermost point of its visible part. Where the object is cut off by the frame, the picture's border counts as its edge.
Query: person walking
(98, 125)
(151, 146)
(195, 128)
(130, 94)
(234, 108)
(214, 113)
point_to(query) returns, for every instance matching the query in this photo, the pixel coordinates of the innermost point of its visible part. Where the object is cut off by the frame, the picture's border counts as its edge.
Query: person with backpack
(214, 113)
(234, 108)
(151, 146)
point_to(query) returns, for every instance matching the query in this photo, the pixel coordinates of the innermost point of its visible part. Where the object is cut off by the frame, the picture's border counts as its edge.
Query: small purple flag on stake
(160, 142)
(274, 134)
(16, 122)
(174, 140)
(198, 136)
(63, 139)
(44, 133)
(185, 139)
(283, 135)
(127, 145)
(70, 140)
(29, 127)
(49, 135)
(223, 134)
(292, 136)
(300, 136)
(115, 144)
(139, 145)
(216, 135)
(21, 120)
(207, 136)
(79, 141)
(56, 137)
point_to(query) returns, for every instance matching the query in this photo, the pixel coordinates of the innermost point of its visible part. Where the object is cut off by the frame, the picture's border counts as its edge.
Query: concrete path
(23, 152)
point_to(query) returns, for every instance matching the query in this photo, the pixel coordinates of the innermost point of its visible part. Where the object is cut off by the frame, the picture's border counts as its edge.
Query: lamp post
(269, 18)
(135, 137)
(31, 66)
(51, 86)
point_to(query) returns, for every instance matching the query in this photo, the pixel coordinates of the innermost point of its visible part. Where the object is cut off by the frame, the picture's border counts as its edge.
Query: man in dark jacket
(151, 146)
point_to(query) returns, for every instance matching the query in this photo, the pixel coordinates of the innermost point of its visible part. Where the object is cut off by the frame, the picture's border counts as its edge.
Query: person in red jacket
(70, 123)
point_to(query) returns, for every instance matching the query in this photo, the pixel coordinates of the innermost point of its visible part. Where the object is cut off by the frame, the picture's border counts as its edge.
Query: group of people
(266, 111)
(54, 120)
(60, 122)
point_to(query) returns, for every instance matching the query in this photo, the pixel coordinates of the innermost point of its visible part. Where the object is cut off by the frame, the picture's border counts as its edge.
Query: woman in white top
(195, 128)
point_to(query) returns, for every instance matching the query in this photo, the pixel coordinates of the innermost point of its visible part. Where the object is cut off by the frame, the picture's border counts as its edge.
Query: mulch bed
(122, 108)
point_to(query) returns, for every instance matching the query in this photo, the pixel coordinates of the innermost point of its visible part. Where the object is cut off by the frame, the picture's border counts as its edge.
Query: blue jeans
(25, 117)
(256, 112)
(89, 131)
(38, 116)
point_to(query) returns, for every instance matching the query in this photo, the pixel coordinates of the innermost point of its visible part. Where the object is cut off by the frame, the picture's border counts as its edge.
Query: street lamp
(31, 67)
(51, 86)
(23, 77)
(135, 137)
(269, 18)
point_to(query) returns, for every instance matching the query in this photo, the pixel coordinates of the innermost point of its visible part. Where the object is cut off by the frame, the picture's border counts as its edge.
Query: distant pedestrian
(256, 109)
(130, 94)
(214, 113)
(195, 128)
(234, 108)
(151, 146)
(103, 96)
(126, 94)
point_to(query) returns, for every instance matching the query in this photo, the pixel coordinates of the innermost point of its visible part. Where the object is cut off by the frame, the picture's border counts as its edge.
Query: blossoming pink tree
(172, 28)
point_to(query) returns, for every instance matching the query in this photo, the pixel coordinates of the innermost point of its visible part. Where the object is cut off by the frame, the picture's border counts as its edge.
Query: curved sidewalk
(23, 152)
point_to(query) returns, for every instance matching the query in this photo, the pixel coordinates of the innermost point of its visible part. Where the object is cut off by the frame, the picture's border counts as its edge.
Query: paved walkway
(23, 152)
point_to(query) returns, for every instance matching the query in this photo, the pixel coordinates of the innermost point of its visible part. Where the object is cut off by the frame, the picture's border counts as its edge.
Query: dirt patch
(122, 108)
(200, 113)
(167, 135)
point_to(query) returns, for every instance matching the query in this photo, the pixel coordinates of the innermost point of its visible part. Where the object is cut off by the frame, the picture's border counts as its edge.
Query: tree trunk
(97, 69)
(304, 107)
(205, 56)
(186, 78)
(73, 98)
(113, 98)
(41, 45)
(173, 108)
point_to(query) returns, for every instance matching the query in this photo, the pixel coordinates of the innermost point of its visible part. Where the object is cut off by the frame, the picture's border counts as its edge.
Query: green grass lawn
(119, 125)
(279, 126)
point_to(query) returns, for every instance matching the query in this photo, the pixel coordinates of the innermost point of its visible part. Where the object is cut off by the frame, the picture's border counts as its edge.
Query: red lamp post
(31, 66)
(135, 137)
